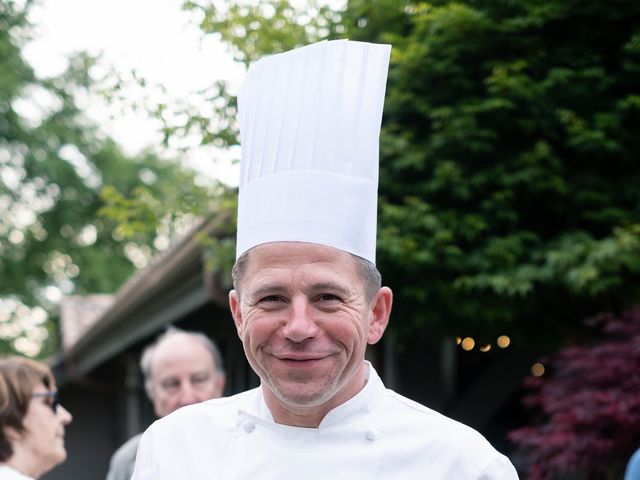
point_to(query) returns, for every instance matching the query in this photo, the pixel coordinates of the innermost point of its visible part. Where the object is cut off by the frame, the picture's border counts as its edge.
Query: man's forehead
(269, 259)
(287, 264)
(174, 350)
(182, 370)
(177, 342)
(289, 252)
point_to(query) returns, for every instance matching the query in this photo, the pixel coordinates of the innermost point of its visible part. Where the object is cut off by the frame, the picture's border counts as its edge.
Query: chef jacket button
(249, 427)
(371, 435)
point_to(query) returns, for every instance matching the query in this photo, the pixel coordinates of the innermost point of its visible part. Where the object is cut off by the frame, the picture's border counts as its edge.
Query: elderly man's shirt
(123, 459)
(377, 434)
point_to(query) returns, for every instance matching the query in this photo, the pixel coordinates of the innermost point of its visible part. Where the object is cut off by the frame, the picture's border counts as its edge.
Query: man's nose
(300, 324)
(188, 394)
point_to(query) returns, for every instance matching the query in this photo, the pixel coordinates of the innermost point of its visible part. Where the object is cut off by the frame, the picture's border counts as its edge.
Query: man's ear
(236, 312)
(380, 312)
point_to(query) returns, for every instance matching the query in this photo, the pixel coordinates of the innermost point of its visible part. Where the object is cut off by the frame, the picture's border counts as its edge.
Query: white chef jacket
(377, 434)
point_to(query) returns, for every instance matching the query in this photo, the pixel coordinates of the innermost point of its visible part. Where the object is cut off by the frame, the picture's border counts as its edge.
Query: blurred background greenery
(509, 170)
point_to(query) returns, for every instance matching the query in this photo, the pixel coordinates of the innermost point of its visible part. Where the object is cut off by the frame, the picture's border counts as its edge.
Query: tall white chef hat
(309, 129)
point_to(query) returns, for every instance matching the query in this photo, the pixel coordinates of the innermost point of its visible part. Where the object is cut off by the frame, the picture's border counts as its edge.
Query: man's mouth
(298, 358)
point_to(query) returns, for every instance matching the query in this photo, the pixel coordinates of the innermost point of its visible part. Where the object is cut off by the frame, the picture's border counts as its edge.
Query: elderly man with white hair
(180, 368)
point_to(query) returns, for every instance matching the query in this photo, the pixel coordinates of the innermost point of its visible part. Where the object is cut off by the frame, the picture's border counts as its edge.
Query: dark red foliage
(589, 405)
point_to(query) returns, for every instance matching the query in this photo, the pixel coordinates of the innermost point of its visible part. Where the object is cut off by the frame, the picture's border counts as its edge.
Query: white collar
(347, 412)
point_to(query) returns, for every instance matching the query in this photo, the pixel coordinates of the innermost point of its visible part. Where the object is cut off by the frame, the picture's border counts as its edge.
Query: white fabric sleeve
(499, 469)
(144, 468)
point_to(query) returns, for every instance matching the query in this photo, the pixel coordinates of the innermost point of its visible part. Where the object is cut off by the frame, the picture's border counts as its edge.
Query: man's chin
(300, 395)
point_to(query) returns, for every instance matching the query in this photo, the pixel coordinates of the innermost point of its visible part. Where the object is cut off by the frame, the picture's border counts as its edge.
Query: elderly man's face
(305, 323)
(182, 373)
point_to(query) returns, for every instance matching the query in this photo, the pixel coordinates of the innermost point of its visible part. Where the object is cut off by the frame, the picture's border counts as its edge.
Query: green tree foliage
(54, 164)
(251, 30)
(510, 161)
(509, 152)
(255, 28)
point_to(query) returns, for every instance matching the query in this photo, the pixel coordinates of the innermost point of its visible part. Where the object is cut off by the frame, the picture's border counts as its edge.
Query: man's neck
(311, 416)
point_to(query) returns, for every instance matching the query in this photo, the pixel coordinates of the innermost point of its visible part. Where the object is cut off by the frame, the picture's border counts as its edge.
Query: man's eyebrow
(332, 287)
(275, 289)
(268, 289)
(328, 286)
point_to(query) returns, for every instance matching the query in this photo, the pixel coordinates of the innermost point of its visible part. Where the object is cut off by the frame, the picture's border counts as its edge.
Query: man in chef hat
(308, 299)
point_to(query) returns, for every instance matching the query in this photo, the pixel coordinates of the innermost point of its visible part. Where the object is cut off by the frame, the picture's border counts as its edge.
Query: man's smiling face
(305, 322)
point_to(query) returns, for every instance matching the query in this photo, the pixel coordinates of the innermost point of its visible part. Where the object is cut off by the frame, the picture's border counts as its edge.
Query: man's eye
(271, 298)
(327, 297)
(200, 379)
(170, 385)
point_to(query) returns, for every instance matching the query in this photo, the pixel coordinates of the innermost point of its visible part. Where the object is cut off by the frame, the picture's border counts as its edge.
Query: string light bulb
(537, 369)
(468, 343)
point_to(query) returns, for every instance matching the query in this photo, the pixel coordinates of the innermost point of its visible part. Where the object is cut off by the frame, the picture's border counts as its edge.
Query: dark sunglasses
(52, 399)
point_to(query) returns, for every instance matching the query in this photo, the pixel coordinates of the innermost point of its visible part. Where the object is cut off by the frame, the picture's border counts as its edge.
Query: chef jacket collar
(359, 404)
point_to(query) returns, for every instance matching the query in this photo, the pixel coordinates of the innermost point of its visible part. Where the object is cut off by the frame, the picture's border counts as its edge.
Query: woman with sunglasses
(31, 420)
